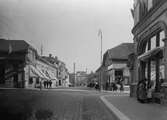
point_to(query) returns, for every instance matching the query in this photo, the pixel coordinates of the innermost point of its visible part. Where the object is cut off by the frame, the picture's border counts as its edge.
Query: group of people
(115, 86)
(145, 90)
(47, 84)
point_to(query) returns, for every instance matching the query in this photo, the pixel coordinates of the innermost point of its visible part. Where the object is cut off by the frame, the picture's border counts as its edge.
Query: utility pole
(101, 58)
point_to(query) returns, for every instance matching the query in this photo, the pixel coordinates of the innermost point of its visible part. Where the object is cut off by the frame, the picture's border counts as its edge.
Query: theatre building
(150, 39)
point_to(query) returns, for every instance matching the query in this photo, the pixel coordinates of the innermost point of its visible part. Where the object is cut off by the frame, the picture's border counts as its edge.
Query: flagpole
(101, 37)
(101, 47)
(101, 62)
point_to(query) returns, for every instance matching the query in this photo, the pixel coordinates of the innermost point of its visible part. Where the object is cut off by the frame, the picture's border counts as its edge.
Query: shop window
(30, 80)
(161, 70)
(153, 70)
(146, 48)
(153, 42)
(146, 71)
(162, 36)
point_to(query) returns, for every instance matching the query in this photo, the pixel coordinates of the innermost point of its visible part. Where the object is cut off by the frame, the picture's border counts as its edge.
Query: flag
(10, 49)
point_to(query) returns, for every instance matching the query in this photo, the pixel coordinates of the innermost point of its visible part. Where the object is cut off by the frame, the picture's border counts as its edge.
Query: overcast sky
(68, 28)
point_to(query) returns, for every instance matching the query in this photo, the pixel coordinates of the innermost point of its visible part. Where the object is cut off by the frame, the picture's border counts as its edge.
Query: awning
(47, 74)
(43, 74)
(150, 53)
(52, 76)
(117, 66)
(35, 72)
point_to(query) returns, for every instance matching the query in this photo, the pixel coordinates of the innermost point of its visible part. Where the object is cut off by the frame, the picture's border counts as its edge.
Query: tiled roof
(121, 51)
(14, 45)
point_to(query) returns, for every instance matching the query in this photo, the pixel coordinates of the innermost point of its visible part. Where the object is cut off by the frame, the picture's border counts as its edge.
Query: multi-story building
(150, 39)
(62, 71)
(14, 56)
(21, 67)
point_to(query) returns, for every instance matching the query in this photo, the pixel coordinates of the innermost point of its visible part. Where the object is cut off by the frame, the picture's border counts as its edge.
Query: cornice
(146, 21)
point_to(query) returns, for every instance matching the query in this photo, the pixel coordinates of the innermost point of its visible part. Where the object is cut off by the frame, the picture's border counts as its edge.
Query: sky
(68, 29)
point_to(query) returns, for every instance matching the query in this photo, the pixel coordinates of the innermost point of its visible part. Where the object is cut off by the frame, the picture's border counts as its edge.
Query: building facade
(114, 68)
(14, 56)
(81, 78)
(22, 67)
(150, 39)
(62, 71)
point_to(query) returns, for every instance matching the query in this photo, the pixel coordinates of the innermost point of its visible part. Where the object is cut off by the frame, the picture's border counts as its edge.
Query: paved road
(56, 104)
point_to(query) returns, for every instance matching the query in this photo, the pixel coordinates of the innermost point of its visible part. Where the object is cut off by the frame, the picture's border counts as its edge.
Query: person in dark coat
(47, 84)
(44, 84)
(50, 83)
(141, 91)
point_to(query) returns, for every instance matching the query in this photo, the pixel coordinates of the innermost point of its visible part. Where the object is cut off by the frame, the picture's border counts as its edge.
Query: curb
(113, 109)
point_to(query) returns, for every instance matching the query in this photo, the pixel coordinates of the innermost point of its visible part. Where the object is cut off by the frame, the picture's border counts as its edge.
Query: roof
(121, 51)
(14, 45)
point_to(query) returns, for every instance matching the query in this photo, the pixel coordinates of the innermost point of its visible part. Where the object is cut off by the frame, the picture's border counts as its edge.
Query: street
(60, 104)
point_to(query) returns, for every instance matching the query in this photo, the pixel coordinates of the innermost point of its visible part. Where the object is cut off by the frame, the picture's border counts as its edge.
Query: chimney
(56, 58)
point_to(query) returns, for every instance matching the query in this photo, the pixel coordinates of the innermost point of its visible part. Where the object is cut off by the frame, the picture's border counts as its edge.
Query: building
(81, 78)
(92, 79)
(22, 67)
(150, 39)
(62, 71)
(101, 76)
(14, 56)
(114, 67)
(72, 79)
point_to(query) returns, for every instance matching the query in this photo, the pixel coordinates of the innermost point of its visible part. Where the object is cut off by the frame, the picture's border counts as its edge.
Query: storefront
(150, 55)
(151, 65)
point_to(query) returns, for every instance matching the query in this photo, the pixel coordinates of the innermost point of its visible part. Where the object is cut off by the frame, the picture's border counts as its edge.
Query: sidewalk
(126, 108)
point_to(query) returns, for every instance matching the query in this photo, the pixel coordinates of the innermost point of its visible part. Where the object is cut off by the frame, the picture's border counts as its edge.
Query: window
(153, 70)
(136, 13)
(161, 70)
(162, 36)
(30, 80)
(150, 4)
(153, 42)
(146, 48)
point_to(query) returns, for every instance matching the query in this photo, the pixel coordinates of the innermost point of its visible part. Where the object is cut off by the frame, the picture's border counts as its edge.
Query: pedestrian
(47, 84)
(151, 88)
(44, 84)
(141, 91)
(114, 86)
(50, 84)
(121, 86)
(40, 85)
